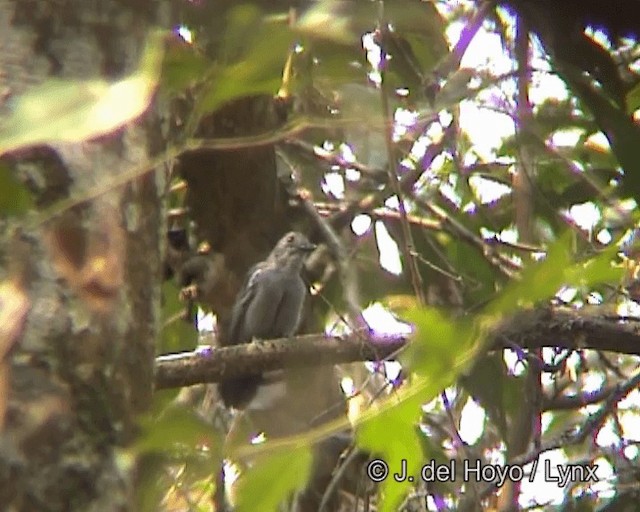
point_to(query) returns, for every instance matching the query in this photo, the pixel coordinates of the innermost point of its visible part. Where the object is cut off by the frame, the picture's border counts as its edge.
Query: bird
(268, 306)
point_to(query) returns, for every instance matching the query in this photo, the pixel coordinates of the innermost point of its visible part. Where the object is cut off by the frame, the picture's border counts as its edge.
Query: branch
(215, 364)
(335, 245)
(579, 435)
(565, 402)
(571, 329)
(559, 327)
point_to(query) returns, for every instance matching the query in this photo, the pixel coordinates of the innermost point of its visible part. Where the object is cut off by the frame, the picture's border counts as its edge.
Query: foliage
(475, 269)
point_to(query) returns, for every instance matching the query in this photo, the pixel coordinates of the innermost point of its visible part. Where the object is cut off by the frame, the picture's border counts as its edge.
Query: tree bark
(81, 365)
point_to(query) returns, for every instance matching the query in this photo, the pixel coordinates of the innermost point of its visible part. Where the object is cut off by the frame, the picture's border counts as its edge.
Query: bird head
(291, 250)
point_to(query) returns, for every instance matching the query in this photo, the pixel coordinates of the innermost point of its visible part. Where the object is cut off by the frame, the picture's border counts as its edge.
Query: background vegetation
(151, 152)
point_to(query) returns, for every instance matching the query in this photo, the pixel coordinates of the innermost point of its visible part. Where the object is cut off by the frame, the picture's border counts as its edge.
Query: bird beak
(308, 247)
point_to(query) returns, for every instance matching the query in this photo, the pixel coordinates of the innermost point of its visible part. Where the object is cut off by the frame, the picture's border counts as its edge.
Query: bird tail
(239, 392)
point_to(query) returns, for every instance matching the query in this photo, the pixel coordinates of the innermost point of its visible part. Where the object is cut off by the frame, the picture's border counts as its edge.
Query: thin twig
(593, 423)
(382, 213)
(408, 246)
(347, 278)
(505, 265)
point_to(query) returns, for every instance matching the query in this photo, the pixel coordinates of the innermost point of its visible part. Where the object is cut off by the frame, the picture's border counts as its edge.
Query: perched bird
(268, 306)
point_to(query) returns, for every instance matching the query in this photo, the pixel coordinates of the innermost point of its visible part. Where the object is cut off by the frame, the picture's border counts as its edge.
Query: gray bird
(268, 306)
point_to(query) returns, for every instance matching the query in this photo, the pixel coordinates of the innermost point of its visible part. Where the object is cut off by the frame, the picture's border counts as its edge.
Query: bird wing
(243, 301)
(287, 315)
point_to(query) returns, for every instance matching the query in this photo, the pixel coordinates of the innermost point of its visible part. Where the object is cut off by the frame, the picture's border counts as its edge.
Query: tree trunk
(81, 365)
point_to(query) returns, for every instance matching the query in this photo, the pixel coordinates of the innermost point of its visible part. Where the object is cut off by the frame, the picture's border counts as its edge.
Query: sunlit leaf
(59, 111)
(438, 347)
(334, 20)
(72, 111)
(273, 478)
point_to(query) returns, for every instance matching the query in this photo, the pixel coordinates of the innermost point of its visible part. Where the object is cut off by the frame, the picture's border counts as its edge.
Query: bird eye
(290, 238)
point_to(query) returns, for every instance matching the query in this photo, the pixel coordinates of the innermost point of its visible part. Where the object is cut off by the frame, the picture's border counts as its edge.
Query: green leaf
(336, 21)
(619, 127)
(273, 478)
(242, 32)
(439, 347)
(419, 32)
(176, 334)
(183, 66)
(59, 111)
(633, 99)
(173, 428)
(15, 199)
(440, 350)
(391, 435)
(334, 64)
(539, 281)
(257, 68)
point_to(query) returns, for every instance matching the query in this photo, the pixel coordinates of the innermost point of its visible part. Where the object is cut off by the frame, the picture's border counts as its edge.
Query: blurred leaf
(273, 478)
(242, 31)
(440, 348)
(175, 427)
(336, 20)
(72, 111)
(183, 66)
(563, 421)
(335, 64)
(633, 99)
(15, 199)
(257, 64)
(543, 279)
(455, 89)
(554, 179)
(392, 436)
(597, 270)
(152, 482)
(176, 334)
(416, 42)
(439, 351)
(402, 67)
(361, 105)
(421, 22)
(619, 127)
(596, 156)
(554, 114)
(487, 383)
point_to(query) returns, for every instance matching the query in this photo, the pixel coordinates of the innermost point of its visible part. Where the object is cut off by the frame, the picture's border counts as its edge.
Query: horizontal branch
(215, 364)
(531, 329)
